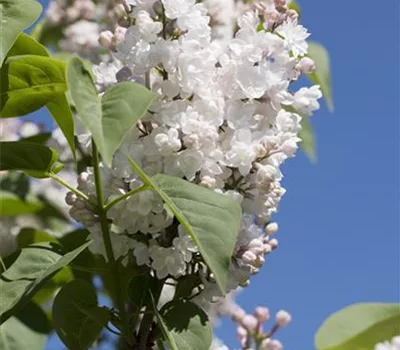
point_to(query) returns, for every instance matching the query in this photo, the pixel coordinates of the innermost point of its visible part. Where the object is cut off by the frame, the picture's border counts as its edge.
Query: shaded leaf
(185, 326)
(78, 320)
(110, 118)
(12, 205)
(322, 74)
(15, 16)
(28, 236)
(211, 219)
(139, 288)
(359, 326)
(41, 138)
(34, 266)
(32, 158)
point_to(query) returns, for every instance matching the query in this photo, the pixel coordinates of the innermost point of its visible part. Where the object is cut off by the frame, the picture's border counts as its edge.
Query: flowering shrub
(172, 127)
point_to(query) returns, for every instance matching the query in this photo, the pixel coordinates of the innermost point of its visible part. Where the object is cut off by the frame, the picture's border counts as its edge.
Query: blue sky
(339, 220)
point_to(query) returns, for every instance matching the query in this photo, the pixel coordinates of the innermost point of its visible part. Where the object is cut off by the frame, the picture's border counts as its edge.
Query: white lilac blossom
(221, 120)
(393, 344)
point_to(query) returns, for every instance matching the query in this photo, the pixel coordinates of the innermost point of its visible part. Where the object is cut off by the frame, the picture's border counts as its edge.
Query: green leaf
(110, 118)
(15, 335)
(15, 16)
(211, 219)
(28, 236)
(33, 268)
(16, 182)
(41, 138)
(12, 205)
(32, 158)
(307, 137)
(30, 82)
(27, 45)
(359, 326)
(322, 74)
(57, 104)
(139, 288)
(78, 320)
(185, 326)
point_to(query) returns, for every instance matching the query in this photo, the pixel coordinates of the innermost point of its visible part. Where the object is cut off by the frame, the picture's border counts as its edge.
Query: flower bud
(249, 322)
(273, 243)
(269, 344)
(70, 198)
(105, 39)
(271, 228)
(238, 315)
(306, 65)
(283, 318)
(249, 257)
(262, 314)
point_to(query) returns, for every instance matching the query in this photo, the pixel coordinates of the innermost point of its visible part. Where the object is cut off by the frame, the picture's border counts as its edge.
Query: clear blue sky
(339, 221)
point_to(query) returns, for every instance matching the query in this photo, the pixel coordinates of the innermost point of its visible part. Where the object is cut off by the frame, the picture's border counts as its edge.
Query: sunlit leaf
(322, 74)
(15, 16)
(359, 326)
(110, 118)
(211, 219)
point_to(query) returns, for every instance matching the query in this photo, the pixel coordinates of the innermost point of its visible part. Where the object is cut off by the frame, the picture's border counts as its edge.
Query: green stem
(108, 244)
(147, 321)
(67, 185)
(116, 200)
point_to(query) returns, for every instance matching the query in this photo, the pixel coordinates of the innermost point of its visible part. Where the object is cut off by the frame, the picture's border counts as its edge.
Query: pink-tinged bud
(70, 198)
(262, 314)
(250, 323)
(119, 35)
(271, 228)
(241, 332)
(292, 14)
(306, 65)
(273, 243)
(105, 39)
(267, 248)
(283, 318)
(119, 11)
(83, 180)
(248, 257)
(238, 315)
(271, 344)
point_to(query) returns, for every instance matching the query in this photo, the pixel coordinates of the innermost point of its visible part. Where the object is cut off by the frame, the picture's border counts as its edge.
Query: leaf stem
(116, 200)
(67, 185)
(108, 244)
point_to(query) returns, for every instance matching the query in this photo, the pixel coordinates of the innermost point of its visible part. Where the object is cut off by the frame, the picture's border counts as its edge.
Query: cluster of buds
(250, 328)
(81, 210)
(276, 13)
(253, 254)
(109, 40)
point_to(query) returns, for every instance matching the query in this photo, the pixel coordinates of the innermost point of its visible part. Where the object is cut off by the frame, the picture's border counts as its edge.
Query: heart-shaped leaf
(359, 326)
(185, 326)
(110, 118)
(322, 73)
(78, 320)
(27, 45)
(15, 16)
(34, 266)
(30, 157)
(211, 219)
